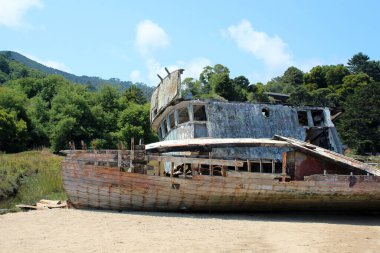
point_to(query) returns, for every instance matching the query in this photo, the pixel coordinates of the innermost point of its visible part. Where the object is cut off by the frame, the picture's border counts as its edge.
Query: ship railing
(138, 161)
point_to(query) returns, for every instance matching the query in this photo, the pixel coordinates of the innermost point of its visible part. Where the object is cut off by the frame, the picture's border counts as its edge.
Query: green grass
(28, 177)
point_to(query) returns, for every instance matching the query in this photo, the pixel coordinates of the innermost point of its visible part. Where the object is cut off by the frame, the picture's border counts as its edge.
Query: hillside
(86, 80)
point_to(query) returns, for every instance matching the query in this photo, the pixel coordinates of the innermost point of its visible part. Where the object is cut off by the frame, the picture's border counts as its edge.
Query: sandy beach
(69, 230)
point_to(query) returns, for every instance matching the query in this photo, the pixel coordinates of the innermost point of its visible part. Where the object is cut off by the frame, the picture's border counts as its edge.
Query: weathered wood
(103, 187)
(30, 207)
(202, 144)
(283, 166)
(328, 155)
(204, 161)
(108, 187)
(210, 165)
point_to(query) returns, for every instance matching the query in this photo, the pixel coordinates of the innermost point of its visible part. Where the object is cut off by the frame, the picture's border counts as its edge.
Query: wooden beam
(283, 166)
(328, 155)
(204, 161)
(210, 166)
(203, 144)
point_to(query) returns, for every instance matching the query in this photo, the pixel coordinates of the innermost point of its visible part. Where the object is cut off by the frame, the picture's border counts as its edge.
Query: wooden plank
(283, 166)
(328, 155)
(184, 159)
(206, 144)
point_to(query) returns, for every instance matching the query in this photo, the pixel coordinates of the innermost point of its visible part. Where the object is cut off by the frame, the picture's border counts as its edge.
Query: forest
(38, 109)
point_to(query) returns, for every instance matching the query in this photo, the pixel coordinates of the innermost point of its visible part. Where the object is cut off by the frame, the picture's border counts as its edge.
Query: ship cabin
(175, 115)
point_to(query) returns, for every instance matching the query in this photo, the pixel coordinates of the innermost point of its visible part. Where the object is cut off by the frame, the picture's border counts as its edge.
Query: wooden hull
(104, 187)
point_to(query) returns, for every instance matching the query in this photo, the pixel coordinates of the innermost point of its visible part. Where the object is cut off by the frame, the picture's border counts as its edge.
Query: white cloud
(13, 11)
(150, 37)
(48, 63)
(55, 65)
(135, 76)
(307, 65)
(272, 50)
(192, 68)
(258, 77)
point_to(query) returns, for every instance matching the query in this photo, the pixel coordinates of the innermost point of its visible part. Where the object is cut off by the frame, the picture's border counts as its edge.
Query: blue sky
(135, 40)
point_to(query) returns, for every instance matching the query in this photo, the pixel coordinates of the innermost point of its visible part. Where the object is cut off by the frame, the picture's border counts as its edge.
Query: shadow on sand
(345, 218)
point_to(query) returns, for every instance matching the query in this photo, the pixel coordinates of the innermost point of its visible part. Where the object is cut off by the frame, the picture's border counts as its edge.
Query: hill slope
(86, 80)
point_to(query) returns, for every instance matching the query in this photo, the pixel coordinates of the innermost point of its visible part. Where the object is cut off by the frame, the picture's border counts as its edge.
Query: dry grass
(27, 177)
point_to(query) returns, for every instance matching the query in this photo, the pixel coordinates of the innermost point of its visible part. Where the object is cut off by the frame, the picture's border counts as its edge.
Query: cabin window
(154, 113)
(265, 112)
(159, 132)
(199, 113)
(302, 118)
(318, 118)
(171, 120)
(183, 115)
(164, 128)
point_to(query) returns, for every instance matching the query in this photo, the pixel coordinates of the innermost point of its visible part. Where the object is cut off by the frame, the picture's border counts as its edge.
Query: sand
(69, 230)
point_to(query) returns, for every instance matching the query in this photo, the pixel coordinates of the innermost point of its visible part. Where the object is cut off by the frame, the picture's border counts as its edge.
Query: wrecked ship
(224, 156)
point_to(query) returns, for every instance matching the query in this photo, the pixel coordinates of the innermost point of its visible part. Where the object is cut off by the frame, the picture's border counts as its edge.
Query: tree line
(40, 110)
(355, 88)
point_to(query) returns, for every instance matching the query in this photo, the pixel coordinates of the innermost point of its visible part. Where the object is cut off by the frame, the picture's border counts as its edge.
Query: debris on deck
(44, 204)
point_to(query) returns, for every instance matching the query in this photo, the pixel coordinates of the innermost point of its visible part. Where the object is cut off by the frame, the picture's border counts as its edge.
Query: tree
(335, 74)
(70, 119)
(293, 76)
(3, 77)
(357, 63)
(300, 96)
(323, 97)
(191, 88)
(38, 114)
(352, 82)
(13, 100)
(134, 122)
(257, 95)
(361, 63)
(108, 97)
(359, 127)
(4, 66)
(13, 132)
(135, 95)
(316, 76)
(221, 84)
(206, 77)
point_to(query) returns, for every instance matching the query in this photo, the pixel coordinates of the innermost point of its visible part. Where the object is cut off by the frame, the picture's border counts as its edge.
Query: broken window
(154, 113)
(183, 115)
(164, 128)
(159, 132)
(199, 113)
(302, 118)
(171, 120)
(265, 112)
(317, 116)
